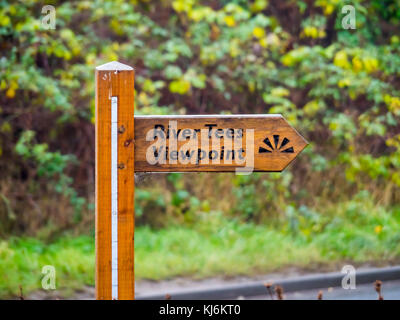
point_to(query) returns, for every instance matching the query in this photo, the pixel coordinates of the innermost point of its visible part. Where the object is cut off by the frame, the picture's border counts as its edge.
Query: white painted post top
(114, 65)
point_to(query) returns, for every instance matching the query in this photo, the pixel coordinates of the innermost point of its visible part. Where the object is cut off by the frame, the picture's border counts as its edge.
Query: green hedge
(338, 87)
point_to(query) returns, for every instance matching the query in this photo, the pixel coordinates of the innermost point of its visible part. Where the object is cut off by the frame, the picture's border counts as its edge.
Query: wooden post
(114, 182)
(271, 144)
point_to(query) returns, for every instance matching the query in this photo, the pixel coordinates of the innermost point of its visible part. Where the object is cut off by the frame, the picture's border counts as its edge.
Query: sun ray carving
(277, 147)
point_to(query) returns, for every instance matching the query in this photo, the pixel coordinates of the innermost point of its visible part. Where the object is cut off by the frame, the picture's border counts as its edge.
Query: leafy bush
(338, 87)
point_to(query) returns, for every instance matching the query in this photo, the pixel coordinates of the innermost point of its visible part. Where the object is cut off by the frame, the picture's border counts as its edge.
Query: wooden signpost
(218, 143)
(126, 144)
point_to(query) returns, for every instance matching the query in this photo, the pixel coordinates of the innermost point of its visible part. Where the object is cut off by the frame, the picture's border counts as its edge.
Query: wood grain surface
(115, 79)
(217, 143)
(275, 144)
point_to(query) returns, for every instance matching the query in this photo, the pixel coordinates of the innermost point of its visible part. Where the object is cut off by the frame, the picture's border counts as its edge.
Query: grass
(227, 247)
(22, 260)
(354, 232)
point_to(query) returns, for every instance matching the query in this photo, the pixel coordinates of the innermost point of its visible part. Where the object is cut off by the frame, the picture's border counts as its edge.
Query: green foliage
(356, 231)
(338, 201)
(49, 164)
(337, 87)
(22, 260)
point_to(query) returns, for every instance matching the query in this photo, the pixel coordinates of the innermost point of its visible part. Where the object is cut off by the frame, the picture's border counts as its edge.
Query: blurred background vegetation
(339, 200)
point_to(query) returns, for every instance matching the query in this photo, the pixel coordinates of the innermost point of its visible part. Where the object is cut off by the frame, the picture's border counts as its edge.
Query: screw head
(121, 166)
(121, 129)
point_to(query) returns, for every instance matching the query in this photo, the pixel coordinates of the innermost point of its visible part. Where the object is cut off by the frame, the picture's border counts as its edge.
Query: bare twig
(378, 289)
(21, 294)
(268, 286)
(279, 292)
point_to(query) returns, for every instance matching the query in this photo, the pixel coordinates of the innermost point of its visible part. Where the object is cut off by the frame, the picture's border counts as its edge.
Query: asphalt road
(390, 291)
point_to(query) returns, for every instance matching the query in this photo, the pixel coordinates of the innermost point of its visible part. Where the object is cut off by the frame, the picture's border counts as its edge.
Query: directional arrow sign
(219, 143)
(125, 144)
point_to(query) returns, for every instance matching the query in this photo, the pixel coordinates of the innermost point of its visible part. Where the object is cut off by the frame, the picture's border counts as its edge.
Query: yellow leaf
(287, 60)
(370, 64)
(258, 32)
(258, 5)
(4, 21)
(252, 86)
(14, 84)
(312, 107)
(328, 9)
(394, 105)
(230, 21)
(263, 42)
(12, 10)
(143, 98)
(394, 40)
(112, 56)
(340, 60)
(311, 32)
(234, 49)
(6, 127)
(352, 94)
(181, 5)
(378, 229)
(10, 93)
(344, 82)
(179, 86)
(357, 64)
(280, 92)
